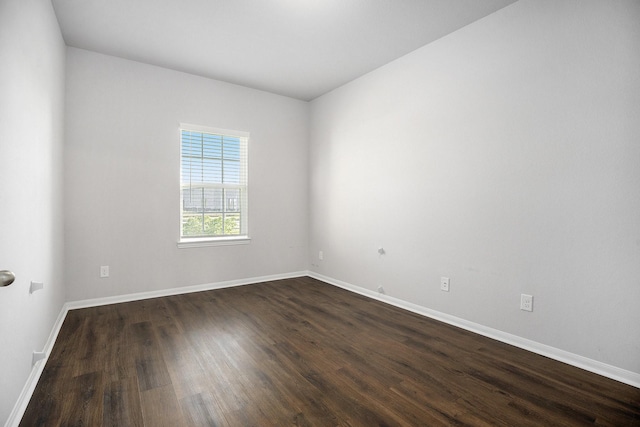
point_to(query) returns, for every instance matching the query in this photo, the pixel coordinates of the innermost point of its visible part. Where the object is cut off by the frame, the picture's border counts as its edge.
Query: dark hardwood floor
(301, 352)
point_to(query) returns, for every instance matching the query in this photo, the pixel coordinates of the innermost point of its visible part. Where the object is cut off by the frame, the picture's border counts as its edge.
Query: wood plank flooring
(299, 352)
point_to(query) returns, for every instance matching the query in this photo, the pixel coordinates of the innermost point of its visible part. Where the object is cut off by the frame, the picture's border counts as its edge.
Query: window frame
(221, 240)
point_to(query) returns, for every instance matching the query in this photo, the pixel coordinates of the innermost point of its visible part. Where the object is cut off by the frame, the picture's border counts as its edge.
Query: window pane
(213, 200)
(232, 200)
(213, 225)
(232, 148)
(192, 199)
(210, 162)
(211, 145)
(212, 170)
(191, 224)
(185, 170)
(231, 172)
(232, 224)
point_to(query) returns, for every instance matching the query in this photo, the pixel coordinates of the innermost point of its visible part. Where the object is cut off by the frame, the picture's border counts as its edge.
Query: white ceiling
(297, 48)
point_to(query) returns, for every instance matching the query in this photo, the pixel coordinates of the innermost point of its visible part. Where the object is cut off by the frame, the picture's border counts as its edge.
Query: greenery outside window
(213, 186)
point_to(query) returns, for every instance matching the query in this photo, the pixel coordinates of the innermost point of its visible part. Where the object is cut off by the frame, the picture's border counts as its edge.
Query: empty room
(319, 212)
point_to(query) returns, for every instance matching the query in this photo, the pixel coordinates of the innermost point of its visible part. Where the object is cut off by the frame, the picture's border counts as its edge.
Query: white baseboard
(36, 371)
(95, 302)
(613, 372)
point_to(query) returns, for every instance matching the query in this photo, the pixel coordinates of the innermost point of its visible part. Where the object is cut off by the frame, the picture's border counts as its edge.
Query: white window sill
(218, 241)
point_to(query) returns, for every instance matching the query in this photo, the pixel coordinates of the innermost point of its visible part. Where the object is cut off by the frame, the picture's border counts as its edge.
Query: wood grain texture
(300, 352)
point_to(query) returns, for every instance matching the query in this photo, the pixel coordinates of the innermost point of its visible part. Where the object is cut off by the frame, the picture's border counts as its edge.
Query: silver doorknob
(6, 277)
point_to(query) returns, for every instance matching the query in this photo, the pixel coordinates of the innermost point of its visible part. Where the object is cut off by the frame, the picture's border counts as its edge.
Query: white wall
(122, 177)
(505, 156)
(31, 136)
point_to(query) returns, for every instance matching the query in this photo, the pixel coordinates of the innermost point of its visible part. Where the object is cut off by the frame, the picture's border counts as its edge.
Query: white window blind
(214, 187)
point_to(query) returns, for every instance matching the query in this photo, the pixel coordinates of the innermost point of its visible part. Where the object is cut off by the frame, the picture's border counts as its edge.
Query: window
(213, 185)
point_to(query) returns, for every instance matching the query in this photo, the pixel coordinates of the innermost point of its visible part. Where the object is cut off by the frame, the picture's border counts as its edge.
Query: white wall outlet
(320, 255)
(526, 302)
(444, 284)
(104, 271)
(380, 290)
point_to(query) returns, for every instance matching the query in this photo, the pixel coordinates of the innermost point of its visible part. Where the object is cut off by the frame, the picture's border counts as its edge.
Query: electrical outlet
(526, 302)
(320, 255)
(444, 284)
(104, 271)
